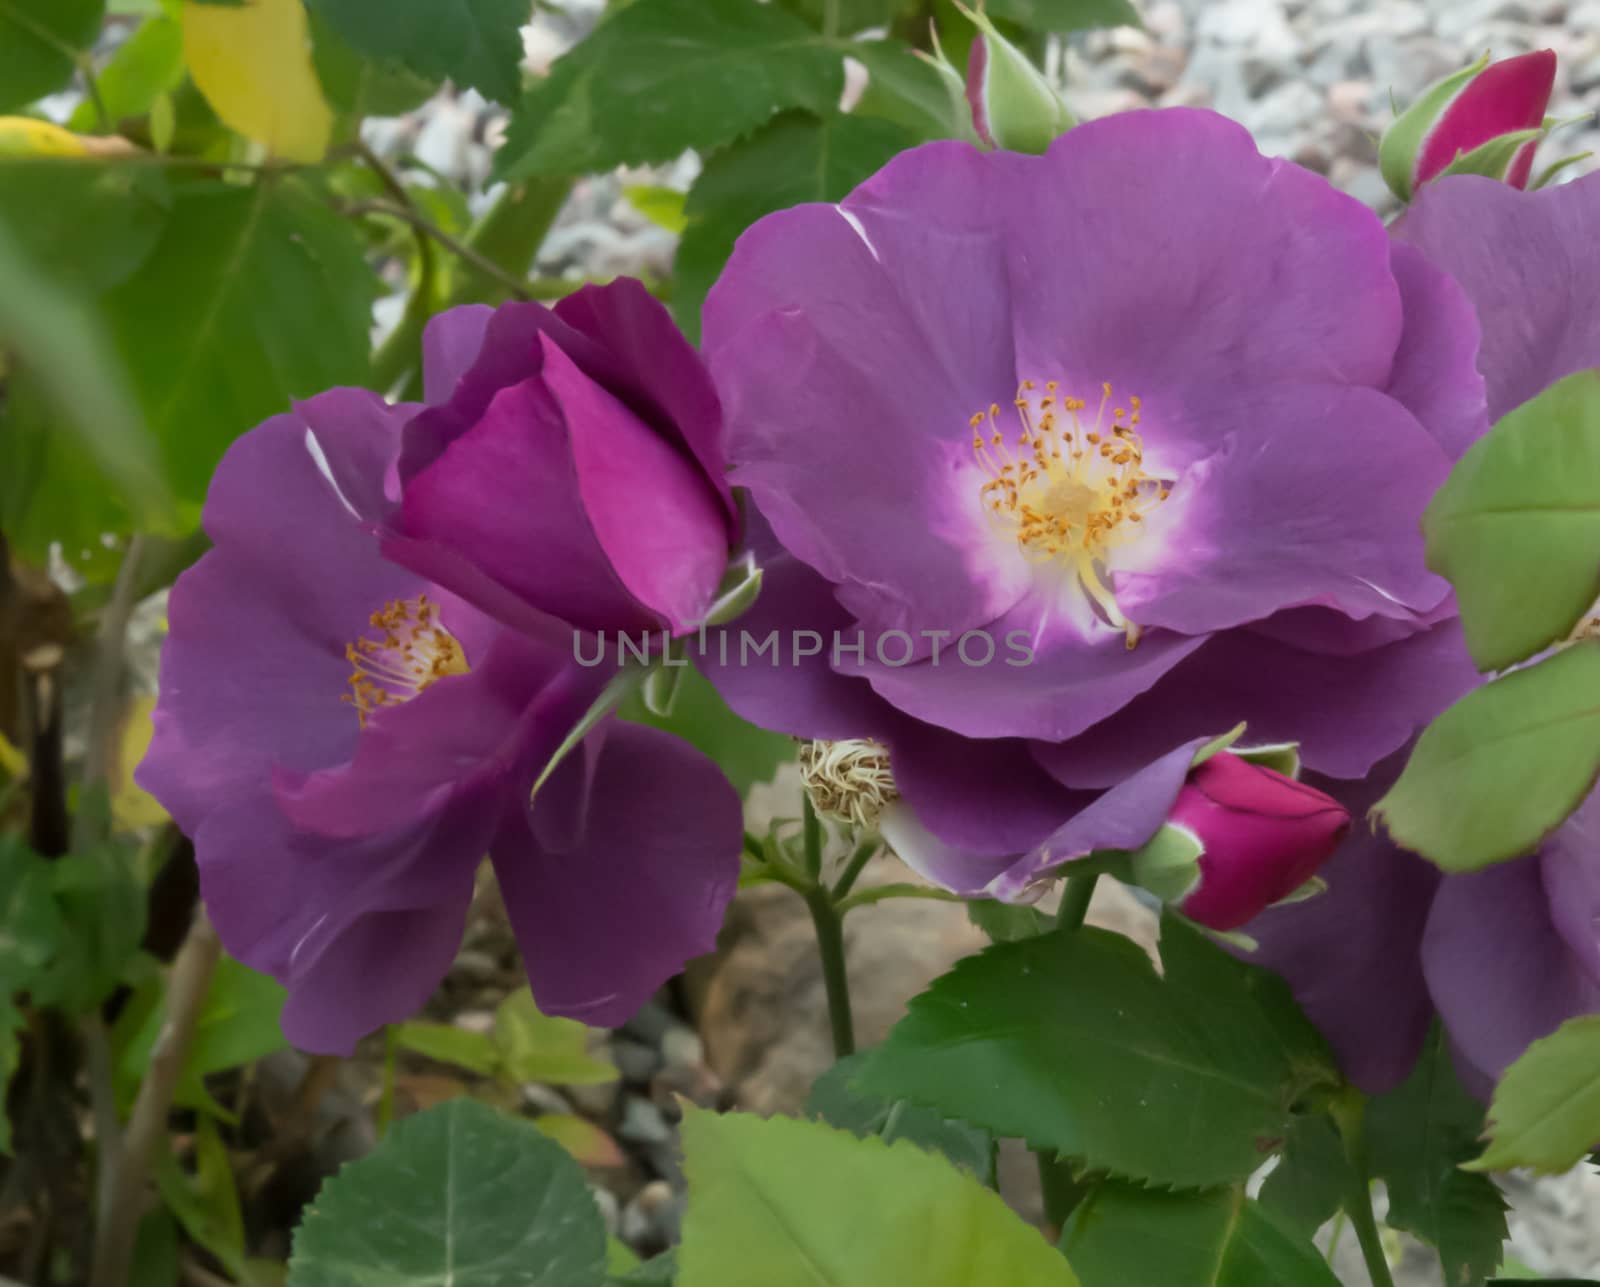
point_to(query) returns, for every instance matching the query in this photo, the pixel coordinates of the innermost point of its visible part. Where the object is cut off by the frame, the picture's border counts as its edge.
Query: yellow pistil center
(411, 651)
(1067, 490)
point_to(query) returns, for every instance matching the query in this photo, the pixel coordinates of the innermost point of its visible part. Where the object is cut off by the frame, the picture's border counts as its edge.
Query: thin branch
(186, 994)
(103, 1104)
(517, 288)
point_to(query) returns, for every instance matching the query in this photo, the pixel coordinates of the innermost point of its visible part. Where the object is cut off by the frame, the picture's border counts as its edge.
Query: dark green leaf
(472, 42)
(84, 223)
(850, 16)
(458, 1194)
(31, 928)
(254, 296)
(1123, 1235)
(1503, 767)
(786, 1203)
(149, 64)
(658, 1270)
(1066, 15)
(745, 753)
(796, 158)
(1418, 1137)
(904, 89)
(659, 76)
(835, 1100)
(1074, 1043)
(40, 44)
(363, 86)
(1516, 527)
(1546, 1109)
(1311, 1178)
(102, 904)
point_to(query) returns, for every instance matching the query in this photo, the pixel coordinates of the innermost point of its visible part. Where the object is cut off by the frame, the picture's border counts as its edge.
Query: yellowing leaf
(131, 805)
(252, 62)
(13, 763)
(24, 136)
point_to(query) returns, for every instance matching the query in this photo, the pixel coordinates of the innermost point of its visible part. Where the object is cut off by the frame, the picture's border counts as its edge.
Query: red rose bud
(1486, 119)
(1262, 837)
(1013, 106)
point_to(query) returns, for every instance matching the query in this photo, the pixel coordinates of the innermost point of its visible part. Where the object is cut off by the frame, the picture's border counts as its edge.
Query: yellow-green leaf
(1546, 1109)
(252, 62)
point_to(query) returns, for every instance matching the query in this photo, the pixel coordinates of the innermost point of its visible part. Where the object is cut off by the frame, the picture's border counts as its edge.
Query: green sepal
(1168, 864)
(1022, 109)
(1402, 141)
(1492, 159)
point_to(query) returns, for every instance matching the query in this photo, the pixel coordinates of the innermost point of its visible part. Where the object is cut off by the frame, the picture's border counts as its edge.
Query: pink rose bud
(1486, 119)
(1262, 837)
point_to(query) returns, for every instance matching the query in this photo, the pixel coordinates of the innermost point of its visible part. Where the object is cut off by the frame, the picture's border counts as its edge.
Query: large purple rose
(345, 738)
(1154, 410)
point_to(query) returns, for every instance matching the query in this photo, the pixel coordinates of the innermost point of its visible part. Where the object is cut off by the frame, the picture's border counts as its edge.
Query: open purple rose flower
(344, 739)
(1506, 955)
(1077, 461)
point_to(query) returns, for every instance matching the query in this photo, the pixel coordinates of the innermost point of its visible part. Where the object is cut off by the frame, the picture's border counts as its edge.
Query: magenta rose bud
(1264, 835)
(1487, 120)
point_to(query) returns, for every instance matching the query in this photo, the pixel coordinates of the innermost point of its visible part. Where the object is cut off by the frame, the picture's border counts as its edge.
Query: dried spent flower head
(849, 781)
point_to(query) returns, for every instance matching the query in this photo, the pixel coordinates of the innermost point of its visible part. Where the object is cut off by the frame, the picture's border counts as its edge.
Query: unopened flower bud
(1240, 838)
(848, 781)
(1013, 106)
(1486, 119)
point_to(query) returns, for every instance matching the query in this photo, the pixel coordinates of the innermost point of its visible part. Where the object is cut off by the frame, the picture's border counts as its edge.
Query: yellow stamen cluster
(1064, 488)
(413, 650)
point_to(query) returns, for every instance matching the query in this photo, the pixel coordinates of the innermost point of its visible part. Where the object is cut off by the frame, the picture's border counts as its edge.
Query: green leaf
(1008, 922)
(905, 89)
(661, 206)
(1503, 767)
(253, 296)
(1418, 1137)
(1516, 526)
(787, 1203)
(835, 1100)
(459, 1194)
(745, 753)
(67, 418)
(659, 76)
(102, 903)
(84, 223)
(148, 65)
(850, 16)
(472, 42)
(203, 1208)
(1546, 1109)
(796, 158)
(1308, 1185)
(1074, 1043)
(31, 928)
(539, 1047)
(474, 1051)
(41, 42)
(1122, 1235)
(12, 1022)
(363, 86)
(1066, 15)
(238, 1024)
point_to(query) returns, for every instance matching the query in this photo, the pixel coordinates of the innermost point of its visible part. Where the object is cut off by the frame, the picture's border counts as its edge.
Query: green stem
(853, 867)
(1075, 902)
(812, 826)
(1350, 1114)
(830, 945)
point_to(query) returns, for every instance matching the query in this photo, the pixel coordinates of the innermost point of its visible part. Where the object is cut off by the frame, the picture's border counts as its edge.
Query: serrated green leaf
(787, 1203)
(360, 86)
(1008, 922)
(472, 42)
(659, 76)
(1123, 1235)
(40, 44)
(1066, 15)
(149, 64)
(835, 1100)
(1418, 1136)
(1074, 1043)
(1546, 1109)
(102, 906)
(458, 1194)
(797, 158)
(1516, 526)
(538, 1047)
(1503, 767)
(1308, 1185)
(905, 89)
(745, 754)
(253, 296)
